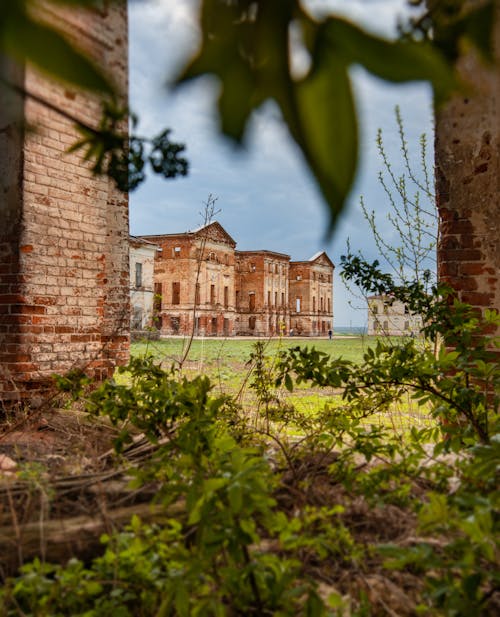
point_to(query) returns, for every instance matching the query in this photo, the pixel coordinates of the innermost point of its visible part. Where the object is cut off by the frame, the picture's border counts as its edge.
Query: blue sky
(267, 197)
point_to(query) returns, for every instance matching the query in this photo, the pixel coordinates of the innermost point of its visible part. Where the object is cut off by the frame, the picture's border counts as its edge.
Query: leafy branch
(248, 47)
(122, 157)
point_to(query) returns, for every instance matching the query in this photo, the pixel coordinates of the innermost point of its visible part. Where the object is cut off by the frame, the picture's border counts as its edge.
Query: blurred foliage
(123, 158)
(26, 36)
(249, 45)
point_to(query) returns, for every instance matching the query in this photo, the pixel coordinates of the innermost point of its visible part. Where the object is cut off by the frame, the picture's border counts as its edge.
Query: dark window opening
(138, 274)
(157, 297)
(176, 293)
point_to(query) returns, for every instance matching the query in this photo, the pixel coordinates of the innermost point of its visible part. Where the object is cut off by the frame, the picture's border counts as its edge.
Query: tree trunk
(57, 540)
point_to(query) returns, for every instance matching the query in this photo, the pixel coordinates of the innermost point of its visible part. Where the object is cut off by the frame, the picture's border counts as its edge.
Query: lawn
(226, 362)
(208, 352)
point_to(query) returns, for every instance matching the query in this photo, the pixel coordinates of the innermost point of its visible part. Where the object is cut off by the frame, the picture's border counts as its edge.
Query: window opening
(176, 293)
(138, 274)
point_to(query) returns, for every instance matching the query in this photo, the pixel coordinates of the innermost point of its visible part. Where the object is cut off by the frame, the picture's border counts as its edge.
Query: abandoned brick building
(64, 278)
(203, 284)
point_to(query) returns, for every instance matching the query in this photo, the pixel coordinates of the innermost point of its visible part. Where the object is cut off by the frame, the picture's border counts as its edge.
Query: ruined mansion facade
(202, 284)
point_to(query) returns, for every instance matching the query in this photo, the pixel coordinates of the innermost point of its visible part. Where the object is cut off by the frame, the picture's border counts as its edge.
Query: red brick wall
(64, 254)
(312, 283)
(468, 184)
(214, 254)
(263, 275)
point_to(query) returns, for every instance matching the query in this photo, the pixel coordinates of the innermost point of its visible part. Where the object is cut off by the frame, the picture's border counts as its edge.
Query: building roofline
(311, 260)
(263, 252)
(194, 232)
(317, 255)
(142, 240)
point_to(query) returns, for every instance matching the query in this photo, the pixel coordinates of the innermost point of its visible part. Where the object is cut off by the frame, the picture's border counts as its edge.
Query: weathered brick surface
(468, 183)
(311, 309)
(64, 278)
(262, 285)
(210, 249)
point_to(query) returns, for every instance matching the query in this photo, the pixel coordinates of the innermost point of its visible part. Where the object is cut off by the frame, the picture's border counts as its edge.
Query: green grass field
(209, 351)
(226, 362)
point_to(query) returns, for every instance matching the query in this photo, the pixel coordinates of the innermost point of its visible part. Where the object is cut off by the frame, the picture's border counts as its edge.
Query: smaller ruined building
(390, 317)
(202, 284)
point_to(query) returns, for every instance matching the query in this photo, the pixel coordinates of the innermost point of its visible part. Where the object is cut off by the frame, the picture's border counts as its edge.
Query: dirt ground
(65, 488)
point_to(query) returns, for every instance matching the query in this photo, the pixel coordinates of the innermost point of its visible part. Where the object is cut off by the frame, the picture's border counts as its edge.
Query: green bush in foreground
(236, 550)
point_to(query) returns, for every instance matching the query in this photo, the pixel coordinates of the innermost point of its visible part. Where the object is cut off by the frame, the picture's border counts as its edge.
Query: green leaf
(221, 54)
(235, 497)
(26, 39)
(396, 61)
(470, 23)
(314, 605)
(478, 28)
(181, 600)
(326, 128)
(212, 485)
